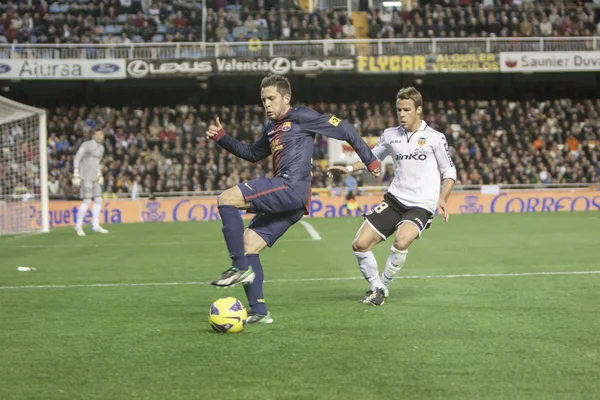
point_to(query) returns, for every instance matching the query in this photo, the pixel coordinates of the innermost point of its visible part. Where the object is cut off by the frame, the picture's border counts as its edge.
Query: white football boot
(99, 229)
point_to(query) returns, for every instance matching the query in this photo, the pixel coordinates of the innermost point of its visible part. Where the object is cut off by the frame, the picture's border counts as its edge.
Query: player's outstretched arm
(340, 169)
(381, 151)
(253, 153)
(334, 127)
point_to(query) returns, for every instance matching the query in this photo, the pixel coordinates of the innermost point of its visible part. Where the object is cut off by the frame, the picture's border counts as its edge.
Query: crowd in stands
(126, 21)
(165, 150)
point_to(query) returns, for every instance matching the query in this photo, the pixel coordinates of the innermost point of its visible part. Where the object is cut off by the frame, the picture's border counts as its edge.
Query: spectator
(491, 142)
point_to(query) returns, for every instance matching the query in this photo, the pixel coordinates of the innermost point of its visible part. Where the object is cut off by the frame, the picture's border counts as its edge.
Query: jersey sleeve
(333, 127)
(381, 150)
(250, 152)
(81, 152)
(442, 155)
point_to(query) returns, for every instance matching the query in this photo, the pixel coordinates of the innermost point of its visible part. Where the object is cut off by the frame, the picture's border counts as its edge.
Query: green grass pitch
(124, 315)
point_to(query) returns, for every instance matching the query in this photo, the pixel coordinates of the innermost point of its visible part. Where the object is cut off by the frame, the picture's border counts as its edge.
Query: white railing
(312, 48)
(381, 189)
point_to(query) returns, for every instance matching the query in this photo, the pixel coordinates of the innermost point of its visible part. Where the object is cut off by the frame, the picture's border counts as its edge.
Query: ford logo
(105, 68)
(4, 68)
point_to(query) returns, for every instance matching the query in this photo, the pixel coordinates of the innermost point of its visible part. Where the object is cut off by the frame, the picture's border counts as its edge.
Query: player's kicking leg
(229, 203)
(270, 196)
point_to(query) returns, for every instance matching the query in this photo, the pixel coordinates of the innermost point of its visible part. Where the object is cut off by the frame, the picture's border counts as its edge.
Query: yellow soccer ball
(227, 315)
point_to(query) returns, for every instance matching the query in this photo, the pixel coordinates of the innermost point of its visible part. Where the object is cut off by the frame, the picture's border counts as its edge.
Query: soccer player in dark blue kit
(281, 201)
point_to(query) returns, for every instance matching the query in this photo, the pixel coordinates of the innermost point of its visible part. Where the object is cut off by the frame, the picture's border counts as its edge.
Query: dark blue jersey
(291, 139)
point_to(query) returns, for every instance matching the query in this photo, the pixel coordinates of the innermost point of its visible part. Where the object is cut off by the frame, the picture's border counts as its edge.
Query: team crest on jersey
(286, 126)
(421, 141)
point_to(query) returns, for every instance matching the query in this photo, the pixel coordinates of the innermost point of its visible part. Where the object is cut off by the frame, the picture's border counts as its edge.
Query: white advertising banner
(555, 61)
(40, 69)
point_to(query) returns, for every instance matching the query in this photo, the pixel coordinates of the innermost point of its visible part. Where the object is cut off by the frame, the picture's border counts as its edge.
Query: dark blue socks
(233, 230)
(254, 290)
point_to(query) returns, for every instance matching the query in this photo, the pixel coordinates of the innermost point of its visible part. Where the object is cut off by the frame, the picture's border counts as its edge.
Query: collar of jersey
(284, 115)
(421, 127)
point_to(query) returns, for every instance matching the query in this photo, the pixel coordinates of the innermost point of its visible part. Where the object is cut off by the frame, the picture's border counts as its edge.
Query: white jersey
(88, 159)
(421, 159)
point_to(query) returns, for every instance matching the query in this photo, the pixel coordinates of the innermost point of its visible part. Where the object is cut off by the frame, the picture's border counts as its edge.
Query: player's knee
(361, 245)
(225, 199)
(402, 242)
(98, 200)
(231, 197)
(253, 243)
(252, 248)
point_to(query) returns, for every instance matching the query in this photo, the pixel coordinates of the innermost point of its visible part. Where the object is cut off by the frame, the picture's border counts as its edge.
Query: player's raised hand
(332, 171)
(216, 131)
(443, 206)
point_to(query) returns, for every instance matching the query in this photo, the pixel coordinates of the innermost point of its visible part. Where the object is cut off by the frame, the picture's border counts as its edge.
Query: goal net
(23, 169)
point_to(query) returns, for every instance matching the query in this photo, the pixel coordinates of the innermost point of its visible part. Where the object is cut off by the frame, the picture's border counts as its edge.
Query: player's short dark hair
(280, 82)
(410, 93)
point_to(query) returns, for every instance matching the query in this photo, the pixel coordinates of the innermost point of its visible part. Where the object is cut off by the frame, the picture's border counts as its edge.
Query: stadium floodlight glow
(392, 4)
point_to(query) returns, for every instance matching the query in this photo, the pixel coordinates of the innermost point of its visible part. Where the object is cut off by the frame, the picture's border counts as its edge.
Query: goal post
(23, 169)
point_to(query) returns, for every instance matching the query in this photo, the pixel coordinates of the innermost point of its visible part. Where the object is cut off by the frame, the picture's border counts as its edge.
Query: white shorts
(90, 189)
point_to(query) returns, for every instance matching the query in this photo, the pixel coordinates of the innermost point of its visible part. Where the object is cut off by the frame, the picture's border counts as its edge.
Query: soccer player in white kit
(421, 159)
(88, 176)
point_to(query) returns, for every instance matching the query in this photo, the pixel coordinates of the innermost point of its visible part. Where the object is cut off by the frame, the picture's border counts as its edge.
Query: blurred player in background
(281, 201)
(421, 160)
(88, 176)
(352, 187)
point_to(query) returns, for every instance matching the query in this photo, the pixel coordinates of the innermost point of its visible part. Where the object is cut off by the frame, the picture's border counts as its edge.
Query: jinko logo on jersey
(413, 156)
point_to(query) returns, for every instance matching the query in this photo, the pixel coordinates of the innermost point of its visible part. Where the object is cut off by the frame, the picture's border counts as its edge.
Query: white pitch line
(133, 244)
(311, 230)
(350, 278)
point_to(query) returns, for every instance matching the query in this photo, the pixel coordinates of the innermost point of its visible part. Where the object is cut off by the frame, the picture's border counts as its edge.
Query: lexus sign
(141, 68)
(227, 66)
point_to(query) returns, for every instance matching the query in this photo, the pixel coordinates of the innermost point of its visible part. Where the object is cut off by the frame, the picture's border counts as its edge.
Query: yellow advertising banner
(387, 64)
(482, 62)
(62, 213)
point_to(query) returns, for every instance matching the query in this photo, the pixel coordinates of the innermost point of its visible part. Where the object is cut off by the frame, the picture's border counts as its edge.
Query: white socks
(368, 267)
(96, 208)
(96, 213)
(393, 265)
(81, 213)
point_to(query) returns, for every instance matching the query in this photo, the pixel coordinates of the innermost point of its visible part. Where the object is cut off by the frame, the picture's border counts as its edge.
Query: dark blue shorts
(271, 227)
(277, 206)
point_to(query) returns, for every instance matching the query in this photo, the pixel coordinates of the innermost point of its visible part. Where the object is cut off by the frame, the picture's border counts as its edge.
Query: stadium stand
(144, 21)
(164, 149)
